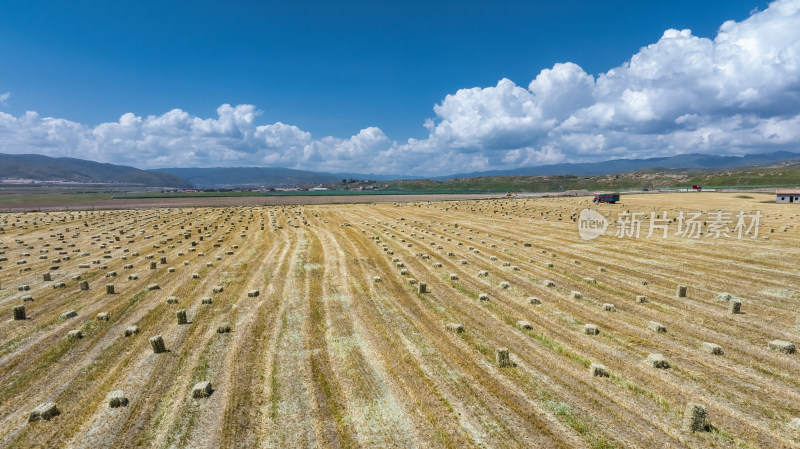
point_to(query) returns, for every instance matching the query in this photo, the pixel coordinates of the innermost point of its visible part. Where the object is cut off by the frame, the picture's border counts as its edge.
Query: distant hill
(226, 177)
(43, 168)
(680, 161)
(64, 169)
(784, 174)
(217, 177)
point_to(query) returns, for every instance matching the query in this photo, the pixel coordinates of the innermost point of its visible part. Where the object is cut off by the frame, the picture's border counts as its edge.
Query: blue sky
(402, 87)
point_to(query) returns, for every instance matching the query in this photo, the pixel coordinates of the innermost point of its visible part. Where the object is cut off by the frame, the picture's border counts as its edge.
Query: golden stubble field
(325, 354)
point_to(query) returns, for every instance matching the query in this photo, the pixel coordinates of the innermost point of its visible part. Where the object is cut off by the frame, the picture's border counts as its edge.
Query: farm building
(788, 196)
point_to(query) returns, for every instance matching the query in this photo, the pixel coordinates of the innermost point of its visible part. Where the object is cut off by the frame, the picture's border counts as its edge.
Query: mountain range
(689, 161)
(43, 168)
(64, 169)
(227, 177)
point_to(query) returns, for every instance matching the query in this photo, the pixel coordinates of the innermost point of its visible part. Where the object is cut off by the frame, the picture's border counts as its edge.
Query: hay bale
(163, 260)
(641, 298)
(23, 288)
(504, 285)
(69, 314)
(195, 276)
(656, 327)
(74, 334)
(206, 300)
(172, 300)
(253, 293)
(423, 287)
(483, 273)
(102, 316)
(84, 285)
(403, 272)
(27, 298)
(453, 277)
(598, 370)
(181, 314)
(534, 300)
(657, 361)
(437, 265)
(202, 390)
(781, 346)
(454, 328)
(589, 280)
(694, 418)
(223, 328)
(19, 312)
(153, 265)
(46, 277)
(575, 295)
(133, 277)
(712, 348)
(681, 291)
(735, 306)
(44, 412)
(170, 270)
(548, 283)
(131, 330)
(502, 357)
(525, 325)
(723, 297)
(158, 344)
(116, 399)
(218, 289)
(548, 264)
(590, 329)
(153, 287)
(109, 289)
(376, 279)
(483, 296)
(608, 307)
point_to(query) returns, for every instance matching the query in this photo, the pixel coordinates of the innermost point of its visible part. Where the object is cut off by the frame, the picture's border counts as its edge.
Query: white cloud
(4, 98)
(738, 92)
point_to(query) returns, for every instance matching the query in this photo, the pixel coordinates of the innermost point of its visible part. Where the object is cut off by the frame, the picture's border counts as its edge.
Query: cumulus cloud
(4, 98)
(736, 93)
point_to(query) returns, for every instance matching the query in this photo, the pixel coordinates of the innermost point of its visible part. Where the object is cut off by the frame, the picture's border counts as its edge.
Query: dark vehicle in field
(606, 198)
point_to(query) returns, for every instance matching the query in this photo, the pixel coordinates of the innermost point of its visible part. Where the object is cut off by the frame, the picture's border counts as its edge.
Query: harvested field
(301, 347)
(53, 203)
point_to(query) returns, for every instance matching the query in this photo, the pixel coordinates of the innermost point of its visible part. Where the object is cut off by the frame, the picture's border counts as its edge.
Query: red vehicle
(697, 188)
(606, 198)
